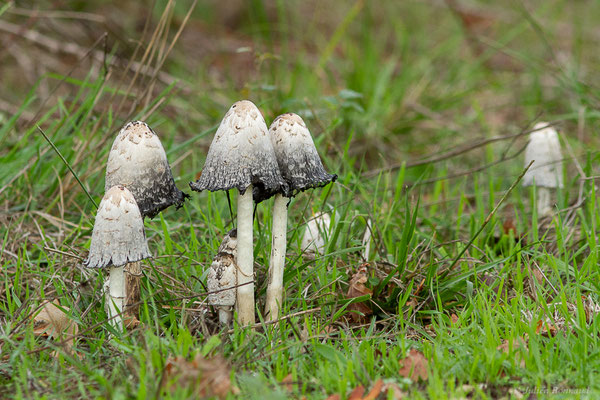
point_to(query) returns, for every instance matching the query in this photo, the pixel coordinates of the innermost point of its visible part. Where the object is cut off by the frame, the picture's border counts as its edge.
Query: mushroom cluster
(260, 163)
(139, 184)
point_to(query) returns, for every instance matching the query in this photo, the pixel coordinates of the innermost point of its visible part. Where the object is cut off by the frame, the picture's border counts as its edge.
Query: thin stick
(488, 219)
(296, 314)
(67, 164)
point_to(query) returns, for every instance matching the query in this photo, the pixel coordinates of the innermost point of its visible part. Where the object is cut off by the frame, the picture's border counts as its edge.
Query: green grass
(379, 85)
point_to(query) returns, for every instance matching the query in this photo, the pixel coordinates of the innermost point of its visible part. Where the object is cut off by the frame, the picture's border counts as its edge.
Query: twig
(487, 219)
(68, 165)
(55, 46)
(465, 148)
(296, 314)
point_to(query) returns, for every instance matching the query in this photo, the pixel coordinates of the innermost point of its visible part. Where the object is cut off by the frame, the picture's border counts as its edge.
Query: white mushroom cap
(223, 273)
(297, 156)
(118, 237)
(544, 149)
(241, 154)
(137, 160)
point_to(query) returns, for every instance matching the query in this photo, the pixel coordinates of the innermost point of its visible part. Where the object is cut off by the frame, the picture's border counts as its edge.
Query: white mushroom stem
(116, 296)
(366, 242)
(544, 205)
(245, 259)
(277, 264)
(225, 316)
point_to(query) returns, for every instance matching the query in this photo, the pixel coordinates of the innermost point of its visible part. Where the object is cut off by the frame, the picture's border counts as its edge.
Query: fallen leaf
(204, 377)
(454, 319)
(414, 366)
(375, 391)
(333, 397)
(357, 393)
(546, 328)
(518, 343)
(52, 321)
(288, 383)
(357, 288)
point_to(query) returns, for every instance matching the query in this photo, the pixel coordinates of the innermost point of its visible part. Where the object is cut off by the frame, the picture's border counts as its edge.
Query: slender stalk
(245, 259)
(277, 264)
(544, 206)
(116, 296)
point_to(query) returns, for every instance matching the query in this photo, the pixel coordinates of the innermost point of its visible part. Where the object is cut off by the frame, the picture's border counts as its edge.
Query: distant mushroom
(222, 278)
(241, 156)
(302, 169)
(137, 160)
(546, 171)
(118, 242)
(313, 240)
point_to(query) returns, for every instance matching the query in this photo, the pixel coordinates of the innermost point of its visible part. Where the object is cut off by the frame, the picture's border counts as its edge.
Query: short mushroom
(546, 172)
(302, 169)
(241, 156)
(222, 278)
(137, 160)
(313, 241)
(118, 242)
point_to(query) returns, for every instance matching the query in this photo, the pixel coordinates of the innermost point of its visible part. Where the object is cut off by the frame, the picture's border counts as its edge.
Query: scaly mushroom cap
(544, 148)
(118, 237)
(297, 156)
(138, 161)
(241, 154)
(223, 273)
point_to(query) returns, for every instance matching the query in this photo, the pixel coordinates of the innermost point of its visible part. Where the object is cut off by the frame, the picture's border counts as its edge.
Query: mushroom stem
(116, 296)
(544, 206)
(225, 315)
(366, 242)
(133, 273)
(278, 248)
(245, 259)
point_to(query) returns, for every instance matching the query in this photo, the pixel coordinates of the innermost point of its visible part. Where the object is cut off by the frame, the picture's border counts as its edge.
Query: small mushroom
(118, 242)
(302, 169)
(137, 160)
(313, 240)
(222, 278)
(241, 156)
(546, 171)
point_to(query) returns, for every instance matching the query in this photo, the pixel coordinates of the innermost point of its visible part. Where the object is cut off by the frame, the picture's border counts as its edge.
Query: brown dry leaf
(357, 393)
(454, 319)
(333, 397)
(414, 366)
(53, 322)
(357, 288)
(375, 391)
(519, 343)
(205, 377)
(288, 383)
(546, 328)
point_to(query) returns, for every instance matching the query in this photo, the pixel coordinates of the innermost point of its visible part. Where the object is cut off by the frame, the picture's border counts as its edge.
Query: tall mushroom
(302, 169)
(222, 278)
(137, 160)
(118, 242)
(546, 171)
(241, 156)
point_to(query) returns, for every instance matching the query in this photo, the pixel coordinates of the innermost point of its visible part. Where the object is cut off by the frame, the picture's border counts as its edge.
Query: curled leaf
(53, 321)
